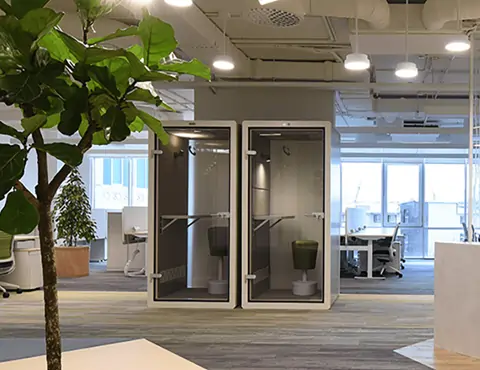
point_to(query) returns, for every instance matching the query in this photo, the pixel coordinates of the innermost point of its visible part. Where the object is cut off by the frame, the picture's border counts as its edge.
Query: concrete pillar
(253, 103)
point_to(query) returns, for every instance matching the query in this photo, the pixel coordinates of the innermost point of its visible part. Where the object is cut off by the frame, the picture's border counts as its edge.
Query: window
(362, 187)
(119, 182)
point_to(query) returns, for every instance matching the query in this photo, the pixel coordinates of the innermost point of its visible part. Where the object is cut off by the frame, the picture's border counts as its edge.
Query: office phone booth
(287, 215)
(193, 216)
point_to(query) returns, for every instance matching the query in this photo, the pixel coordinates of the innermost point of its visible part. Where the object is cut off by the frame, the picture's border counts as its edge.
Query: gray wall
(247, 103)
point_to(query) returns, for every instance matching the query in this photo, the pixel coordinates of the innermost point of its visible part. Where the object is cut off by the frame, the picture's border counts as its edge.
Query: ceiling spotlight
(406, 70)
(264, 2)
(357, 62)
(224, 63)
(178, 3)
(459, 44)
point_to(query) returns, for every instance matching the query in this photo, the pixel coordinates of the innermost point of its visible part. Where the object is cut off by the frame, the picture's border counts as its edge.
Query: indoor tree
(77, 87)
(72, 212)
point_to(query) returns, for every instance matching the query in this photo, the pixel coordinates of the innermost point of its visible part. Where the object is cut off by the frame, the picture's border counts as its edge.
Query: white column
(470, 145)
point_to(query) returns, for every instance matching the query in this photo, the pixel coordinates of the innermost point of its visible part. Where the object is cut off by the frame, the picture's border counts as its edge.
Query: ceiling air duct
(283, 13)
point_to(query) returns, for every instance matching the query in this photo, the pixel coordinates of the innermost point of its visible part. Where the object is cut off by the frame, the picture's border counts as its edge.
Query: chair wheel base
(6, 295)
(19, 291)
(399, 275)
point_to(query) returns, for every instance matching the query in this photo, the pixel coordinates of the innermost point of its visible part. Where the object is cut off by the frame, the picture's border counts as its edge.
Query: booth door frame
(233, 282)
(328, 300)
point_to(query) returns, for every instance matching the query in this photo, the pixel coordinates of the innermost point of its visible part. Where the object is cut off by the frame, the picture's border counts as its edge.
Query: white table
(138, 354)
(370, 234)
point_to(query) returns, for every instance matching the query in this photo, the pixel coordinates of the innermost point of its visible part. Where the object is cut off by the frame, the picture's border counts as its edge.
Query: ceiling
(374, 109)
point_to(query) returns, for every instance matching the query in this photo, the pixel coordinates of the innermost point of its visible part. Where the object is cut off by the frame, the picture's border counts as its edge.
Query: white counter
(457, 297)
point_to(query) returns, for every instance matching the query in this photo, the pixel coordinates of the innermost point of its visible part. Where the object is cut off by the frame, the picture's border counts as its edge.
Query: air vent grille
(274, 17)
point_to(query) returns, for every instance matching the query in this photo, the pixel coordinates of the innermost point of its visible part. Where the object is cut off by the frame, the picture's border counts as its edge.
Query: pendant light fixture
(357, 61)
(179, 3)
(461, 42)
(224, 62)
(406, 69)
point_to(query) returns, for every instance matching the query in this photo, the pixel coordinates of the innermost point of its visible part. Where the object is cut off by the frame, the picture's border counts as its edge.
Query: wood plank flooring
(360, 333)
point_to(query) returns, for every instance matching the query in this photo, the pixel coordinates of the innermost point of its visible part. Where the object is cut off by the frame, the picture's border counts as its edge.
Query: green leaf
(67, 153)
(10, 131)
(156, 76)
(155, 125)
(12, 162)
(71, 117)
(22, 88)
(145, 96)
(193, 68)
(99, 137)
(137, 125)
(22, 7)
(14, 41)
(136, 50)
(158, 39)
(48, 68)
(18, 216)
(116, 121)
(32, 124)
(91, 10)
(95, 55)
(104, 78)
(134, 122)
(57, 47)
(52, 120)
(125, 32)
(167, 107)
(120, 68)
(39, 22)
(74, 46)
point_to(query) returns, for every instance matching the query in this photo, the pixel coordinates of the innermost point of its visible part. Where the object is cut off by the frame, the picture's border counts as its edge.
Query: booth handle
(250, 277)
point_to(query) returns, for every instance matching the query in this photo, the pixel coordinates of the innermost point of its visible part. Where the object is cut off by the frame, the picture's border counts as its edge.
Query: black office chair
(475, 237)
(386, 253)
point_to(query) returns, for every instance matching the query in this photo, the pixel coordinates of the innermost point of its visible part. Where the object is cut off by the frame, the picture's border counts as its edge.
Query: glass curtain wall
(427, 197)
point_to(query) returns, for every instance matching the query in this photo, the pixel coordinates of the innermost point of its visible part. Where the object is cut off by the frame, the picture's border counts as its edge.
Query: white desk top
(374, 233)
(138, 354)
(24, 238)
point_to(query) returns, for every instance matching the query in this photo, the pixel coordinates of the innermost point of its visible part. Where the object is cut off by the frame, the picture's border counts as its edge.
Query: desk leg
(370, 265)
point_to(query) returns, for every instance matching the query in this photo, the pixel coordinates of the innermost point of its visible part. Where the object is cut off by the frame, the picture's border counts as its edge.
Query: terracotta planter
(72, 262)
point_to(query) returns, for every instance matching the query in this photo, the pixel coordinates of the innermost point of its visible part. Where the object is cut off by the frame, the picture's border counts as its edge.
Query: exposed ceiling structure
(305, 44)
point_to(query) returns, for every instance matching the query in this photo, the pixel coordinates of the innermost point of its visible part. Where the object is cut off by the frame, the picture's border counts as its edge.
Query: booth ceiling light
(458, 45)
(406, 70)
(357, 61)
(264, 2)
(190, 135)
(179, 3)
(271, 134)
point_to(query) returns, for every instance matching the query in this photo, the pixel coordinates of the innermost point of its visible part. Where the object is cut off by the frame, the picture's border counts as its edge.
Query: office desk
(370, 234)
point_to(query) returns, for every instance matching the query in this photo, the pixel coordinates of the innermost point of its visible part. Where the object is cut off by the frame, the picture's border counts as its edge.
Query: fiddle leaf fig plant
(86, 91)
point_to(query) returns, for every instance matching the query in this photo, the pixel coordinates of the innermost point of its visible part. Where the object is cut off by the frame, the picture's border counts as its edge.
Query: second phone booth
(291, 212)
(192, 213)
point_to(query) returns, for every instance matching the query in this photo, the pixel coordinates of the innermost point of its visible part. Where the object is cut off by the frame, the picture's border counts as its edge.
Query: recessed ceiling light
(406, 70)
(224, 63)
(264, 2)
(357, 62)
(177, 3)
(190, 135)
(271, 134)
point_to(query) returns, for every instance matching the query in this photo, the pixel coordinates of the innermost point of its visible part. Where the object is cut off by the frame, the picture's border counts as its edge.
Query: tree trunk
(52, 319)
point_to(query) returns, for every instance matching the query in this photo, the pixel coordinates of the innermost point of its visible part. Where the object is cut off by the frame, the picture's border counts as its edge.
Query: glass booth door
(286, 220)
(194, 223)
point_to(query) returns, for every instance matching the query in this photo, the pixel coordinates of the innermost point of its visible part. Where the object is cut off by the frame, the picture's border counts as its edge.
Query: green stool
(219, 242)
(304, 259)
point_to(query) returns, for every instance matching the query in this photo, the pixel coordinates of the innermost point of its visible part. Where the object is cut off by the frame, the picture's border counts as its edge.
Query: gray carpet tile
(417, 280)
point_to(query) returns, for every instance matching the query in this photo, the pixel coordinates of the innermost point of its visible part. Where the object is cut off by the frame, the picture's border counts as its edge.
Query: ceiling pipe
(436, 13)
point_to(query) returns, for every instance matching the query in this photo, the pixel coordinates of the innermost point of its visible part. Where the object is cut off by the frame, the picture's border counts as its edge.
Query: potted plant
(73, 221)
